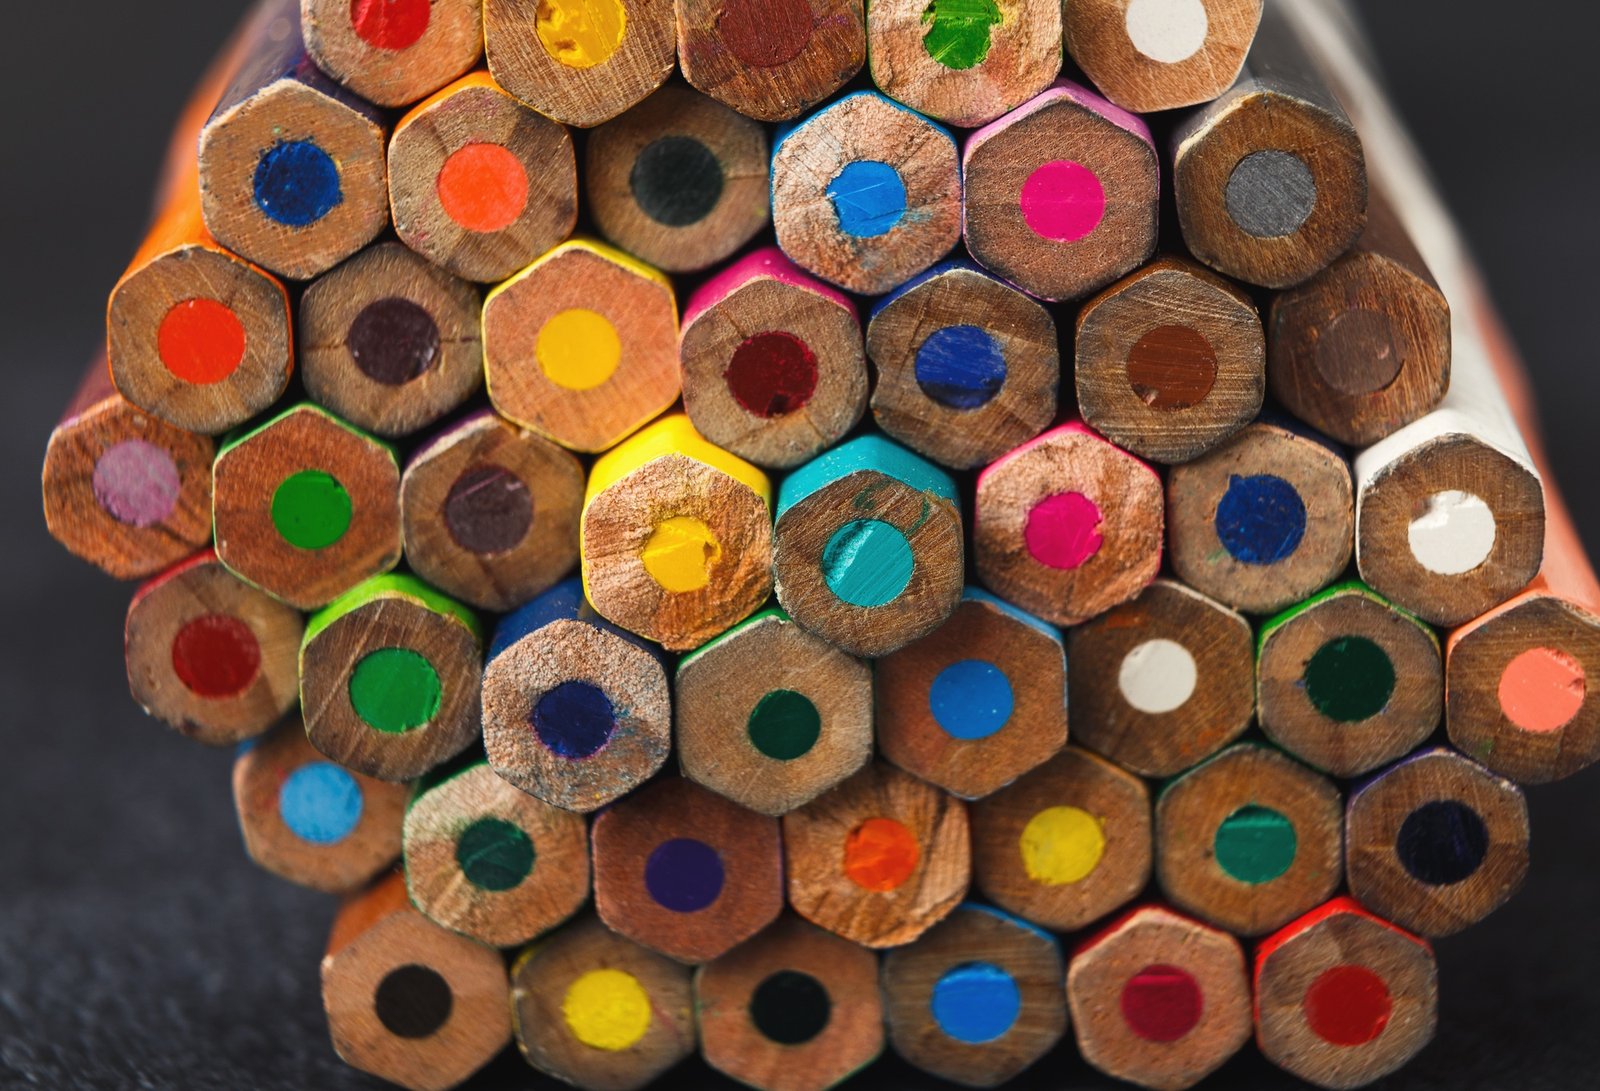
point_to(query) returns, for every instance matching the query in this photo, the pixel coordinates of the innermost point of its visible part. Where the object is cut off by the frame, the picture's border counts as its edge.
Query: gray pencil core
(1271, 194)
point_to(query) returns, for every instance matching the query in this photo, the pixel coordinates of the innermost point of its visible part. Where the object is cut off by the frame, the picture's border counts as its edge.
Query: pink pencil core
(1063, 201)
(1063, 530)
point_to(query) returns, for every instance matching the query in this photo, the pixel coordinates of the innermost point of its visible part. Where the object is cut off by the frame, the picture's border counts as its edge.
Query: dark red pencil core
(216, 655)
(772, 373)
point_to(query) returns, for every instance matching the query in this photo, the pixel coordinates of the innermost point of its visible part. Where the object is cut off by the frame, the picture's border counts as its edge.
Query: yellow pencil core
(580, 33)
(1062, 845)
(607, 1009)
(680, 554)
(578, 349)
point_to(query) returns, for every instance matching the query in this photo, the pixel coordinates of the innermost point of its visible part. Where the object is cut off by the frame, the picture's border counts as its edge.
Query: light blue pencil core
(868, 197)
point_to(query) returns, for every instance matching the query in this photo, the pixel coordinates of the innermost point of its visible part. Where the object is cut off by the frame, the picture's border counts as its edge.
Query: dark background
(138, 947)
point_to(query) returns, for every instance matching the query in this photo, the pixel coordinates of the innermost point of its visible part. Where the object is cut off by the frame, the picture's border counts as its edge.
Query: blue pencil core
(1260, 519)
(976, 1002)
(868, 197)
(320, 803)
(971, 699)
(297, 183)
(960, 367)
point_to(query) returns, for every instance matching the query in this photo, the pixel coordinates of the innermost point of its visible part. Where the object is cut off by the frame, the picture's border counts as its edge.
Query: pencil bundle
(1048, 542)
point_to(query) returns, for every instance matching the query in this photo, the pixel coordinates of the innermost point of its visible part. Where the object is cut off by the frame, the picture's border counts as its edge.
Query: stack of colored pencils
(1193, 588)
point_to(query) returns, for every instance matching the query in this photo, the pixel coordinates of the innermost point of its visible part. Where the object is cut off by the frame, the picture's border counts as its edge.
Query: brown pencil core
(393, 341)
(1172, 367)
(1357, 353)
(488, 510)
(765, 34)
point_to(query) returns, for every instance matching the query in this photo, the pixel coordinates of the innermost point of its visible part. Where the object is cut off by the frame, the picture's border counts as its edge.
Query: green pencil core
(311, 509)
(395, 690)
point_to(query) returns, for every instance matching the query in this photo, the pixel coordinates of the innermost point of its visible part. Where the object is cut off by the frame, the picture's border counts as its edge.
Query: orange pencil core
(880, 854)
(483, 187)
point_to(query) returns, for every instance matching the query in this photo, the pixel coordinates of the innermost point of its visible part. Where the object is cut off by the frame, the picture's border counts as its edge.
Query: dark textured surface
(138, 949)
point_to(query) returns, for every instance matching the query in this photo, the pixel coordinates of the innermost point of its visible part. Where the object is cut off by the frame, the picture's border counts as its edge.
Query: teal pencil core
(867, 563)
(494, 854)
(1255, 844)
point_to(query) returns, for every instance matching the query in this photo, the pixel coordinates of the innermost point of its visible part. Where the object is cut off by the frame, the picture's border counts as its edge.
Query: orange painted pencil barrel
(194, 334)
(1518, 689)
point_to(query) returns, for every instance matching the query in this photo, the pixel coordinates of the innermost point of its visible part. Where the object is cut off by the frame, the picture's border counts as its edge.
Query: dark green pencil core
(784, 725)
(1350, 679)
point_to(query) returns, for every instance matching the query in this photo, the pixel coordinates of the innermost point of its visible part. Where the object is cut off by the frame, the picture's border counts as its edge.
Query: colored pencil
(1270, 179)
(1249, 840)
(1347, 681)
(880, 859)
(964, 65)
(210, 655)
(770, 60)
(679, 180)
(489, 512)
(291, 164)
(578, 62)
(126, 492)
(1449, 509)
(196, 335)
(977, 702)
(1170, 361)
(1517, 696)
(1182, 1003)
(867, 549)
(977, 999)
(580, 345)
(1149, 55)
(1264, 519)
(686, 872)
(1363, 348)
(1060, 195)
(866, 193)
(1436, 842)
(679, 578)
(393, 52)
(968, 366)
(479, 183)
(390, 677)
(489, 861)
(408, 1001)
(306, 506)
(771, 715)
(598, 1011)
(389, 341)
(1159, 683)
(794, 1009)
(310, 821)
(773, 367)
(1067, 525)
(594, 696)
(1065, 844)
(1516, 701)
(1343, 998)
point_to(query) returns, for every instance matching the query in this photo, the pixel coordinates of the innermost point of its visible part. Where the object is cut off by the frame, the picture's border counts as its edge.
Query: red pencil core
(201, 341)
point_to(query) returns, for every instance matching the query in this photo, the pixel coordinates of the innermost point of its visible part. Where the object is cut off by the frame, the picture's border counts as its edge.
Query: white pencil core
(1157, 676)
(1167, 31)
(1455, 535)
